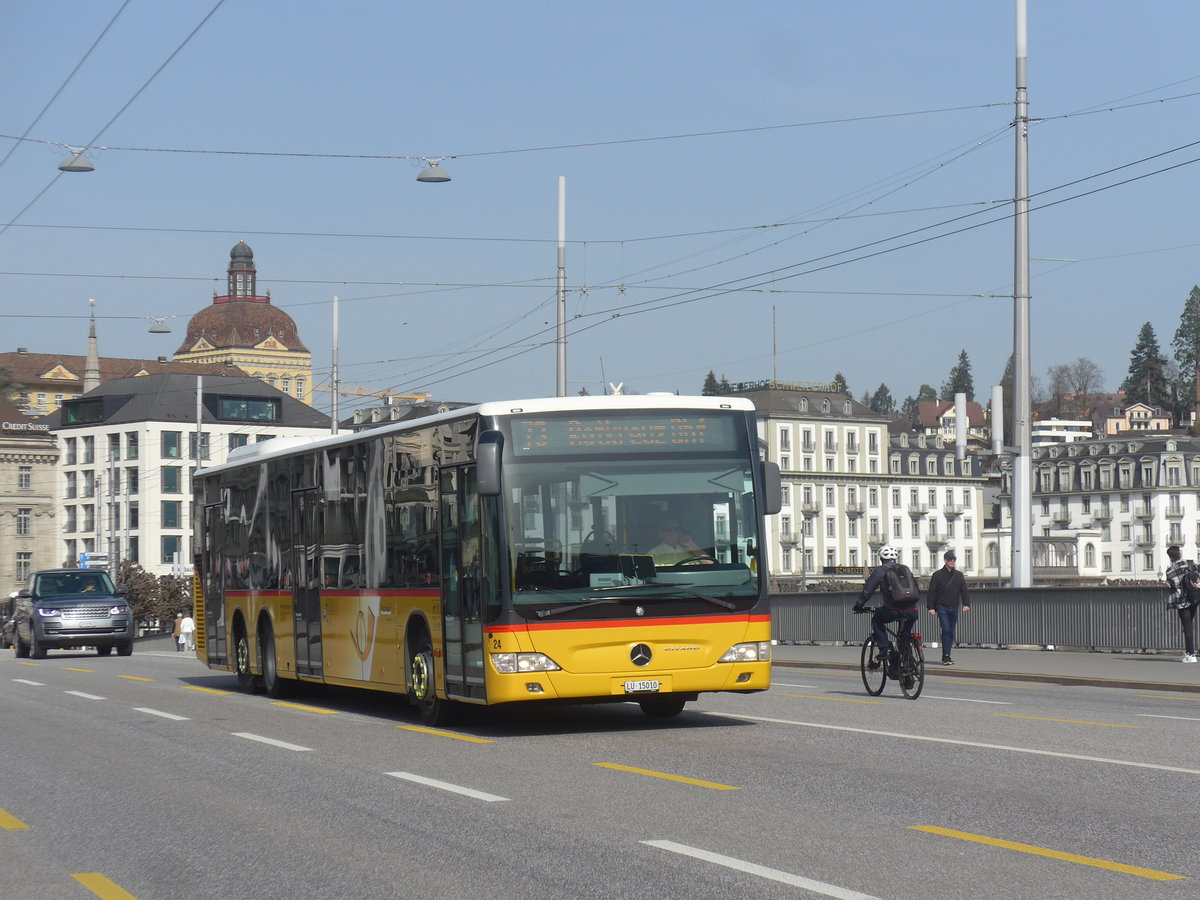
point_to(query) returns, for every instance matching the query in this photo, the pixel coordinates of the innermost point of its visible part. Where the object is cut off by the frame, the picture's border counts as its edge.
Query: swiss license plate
(642, 687)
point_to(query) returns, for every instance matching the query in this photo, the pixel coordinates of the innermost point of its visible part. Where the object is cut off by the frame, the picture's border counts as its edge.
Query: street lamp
(76, 162)
(433, 173)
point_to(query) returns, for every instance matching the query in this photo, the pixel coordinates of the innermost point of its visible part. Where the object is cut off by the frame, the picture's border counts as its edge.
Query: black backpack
(1191, 583)
(903, 585)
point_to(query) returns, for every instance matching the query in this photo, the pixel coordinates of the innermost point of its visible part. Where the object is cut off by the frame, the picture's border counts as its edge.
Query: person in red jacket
(947, 591)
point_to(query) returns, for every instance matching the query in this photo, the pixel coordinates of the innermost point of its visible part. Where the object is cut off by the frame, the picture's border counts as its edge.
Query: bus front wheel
(274, 686)
(433, 709)
(662, 707)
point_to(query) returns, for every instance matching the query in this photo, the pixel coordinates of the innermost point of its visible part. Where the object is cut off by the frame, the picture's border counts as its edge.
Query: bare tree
(1086, 379)
(1058, 383)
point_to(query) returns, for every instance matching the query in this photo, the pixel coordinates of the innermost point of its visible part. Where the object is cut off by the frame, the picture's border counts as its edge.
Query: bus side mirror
(488, 451)
(772, 483)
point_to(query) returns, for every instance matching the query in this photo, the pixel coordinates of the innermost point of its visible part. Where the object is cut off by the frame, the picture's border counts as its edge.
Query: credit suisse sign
(23, 426)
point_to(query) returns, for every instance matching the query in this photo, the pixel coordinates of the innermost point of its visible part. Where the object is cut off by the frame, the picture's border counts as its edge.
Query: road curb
(959, 671)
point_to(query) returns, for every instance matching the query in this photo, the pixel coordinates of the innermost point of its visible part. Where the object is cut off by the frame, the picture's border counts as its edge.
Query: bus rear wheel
(247, 680)
(274, 686)
(432, 708)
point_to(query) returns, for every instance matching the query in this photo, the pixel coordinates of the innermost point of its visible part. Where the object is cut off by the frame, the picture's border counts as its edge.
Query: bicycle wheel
(874, 672)
(912, 670)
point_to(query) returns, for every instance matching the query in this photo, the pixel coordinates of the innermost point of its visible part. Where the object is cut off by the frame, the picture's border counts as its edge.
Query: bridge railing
(1130, 619)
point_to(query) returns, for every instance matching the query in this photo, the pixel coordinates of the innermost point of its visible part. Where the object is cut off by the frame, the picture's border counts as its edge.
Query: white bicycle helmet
(889, 552)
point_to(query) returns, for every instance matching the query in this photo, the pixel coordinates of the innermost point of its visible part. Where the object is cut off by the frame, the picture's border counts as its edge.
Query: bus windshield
(618, 530)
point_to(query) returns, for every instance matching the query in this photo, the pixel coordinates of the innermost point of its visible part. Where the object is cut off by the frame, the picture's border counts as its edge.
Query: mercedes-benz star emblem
(639, 610)
(640, 654)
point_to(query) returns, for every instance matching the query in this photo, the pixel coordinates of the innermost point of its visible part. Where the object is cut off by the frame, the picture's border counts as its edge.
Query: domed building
(242, 328)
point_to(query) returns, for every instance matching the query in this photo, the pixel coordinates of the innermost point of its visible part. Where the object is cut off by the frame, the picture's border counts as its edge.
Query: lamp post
(1022, 493)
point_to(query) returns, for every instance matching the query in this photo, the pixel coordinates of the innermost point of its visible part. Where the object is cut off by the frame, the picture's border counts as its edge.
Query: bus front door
(466, 583)
(306, 580)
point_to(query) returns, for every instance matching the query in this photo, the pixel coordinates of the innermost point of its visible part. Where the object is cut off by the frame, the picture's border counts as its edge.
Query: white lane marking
(83, 695)
(27, 681)
(969, 700)
(958, 743)
(158, 712)
(266, 740)
(447, 786)
(811, 687)
(817, 887)
(1182, 718)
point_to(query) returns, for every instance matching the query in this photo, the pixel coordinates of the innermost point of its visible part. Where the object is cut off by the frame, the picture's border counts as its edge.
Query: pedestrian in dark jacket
(947, 592)
(1182, 601)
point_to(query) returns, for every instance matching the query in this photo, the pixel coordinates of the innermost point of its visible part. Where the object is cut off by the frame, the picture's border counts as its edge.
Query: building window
(89, 451)
(132, 552)
(70, 524)
(131, 445)
(967, 528)
(873, 497)
(785, 438)
(24, 521)
(131, 480)
(830, 559)
(133, 515)
(24, 565)
(114, 446)
(852, 528)
(171, 545)
(830, 528)
(993, 556)
(24, 478)
(895, 496)
(172, 479)
(300, 388)
(203, 445)
(969, 559)
(69, 452)
(170, 513)
(897, 529)
(171, 444)
(852, 559)
(1089, 556)
(240, 440)
(829, 497)
(1126, 562)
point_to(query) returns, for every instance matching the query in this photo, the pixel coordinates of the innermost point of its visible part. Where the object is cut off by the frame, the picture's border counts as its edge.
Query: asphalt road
(152, 777)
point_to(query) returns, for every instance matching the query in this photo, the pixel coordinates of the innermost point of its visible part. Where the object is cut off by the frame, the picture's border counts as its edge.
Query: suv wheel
(36, 650)
(20, 648)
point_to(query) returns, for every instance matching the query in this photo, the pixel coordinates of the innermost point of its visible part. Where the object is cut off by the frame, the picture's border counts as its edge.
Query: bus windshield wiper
(597, 601)
(716, 601)
(601, 601)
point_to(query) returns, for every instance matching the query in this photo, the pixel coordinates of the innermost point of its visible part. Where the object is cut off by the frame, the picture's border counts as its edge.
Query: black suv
(72, 608)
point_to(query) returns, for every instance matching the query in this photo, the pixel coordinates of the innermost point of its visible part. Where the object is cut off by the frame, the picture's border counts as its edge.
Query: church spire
(91, 370)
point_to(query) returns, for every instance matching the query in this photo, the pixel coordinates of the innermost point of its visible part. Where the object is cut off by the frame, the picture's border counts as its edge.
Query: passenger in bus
(676, 545)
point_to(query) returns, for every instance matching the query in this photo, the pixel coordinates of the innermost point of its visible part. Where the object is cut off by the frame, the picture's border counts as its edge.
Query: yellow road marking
(76, 669)
(316, 709)
(196, 687)
(25, 662)
(669, 777)
(135, 677)
(1052, 854)
(447, 734)
(1067, 721)
(103, 887)
(838, 699)
(11, 823)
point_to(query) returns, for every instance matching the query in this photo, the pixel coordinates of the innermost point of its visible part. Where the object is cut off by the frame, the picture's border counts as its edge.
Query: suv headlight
(511, 663)
(118, 611)
(48, 611)
(759, 651)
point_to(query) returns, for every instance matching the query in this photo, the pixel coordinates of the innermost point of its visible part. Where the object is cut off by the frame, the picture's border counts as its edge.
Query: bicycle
(909, 667)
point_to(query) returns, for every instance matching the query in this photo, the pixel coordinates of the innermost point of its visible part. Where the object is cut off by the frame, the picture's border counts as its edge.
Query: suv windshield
(72, 584)
(599, 533)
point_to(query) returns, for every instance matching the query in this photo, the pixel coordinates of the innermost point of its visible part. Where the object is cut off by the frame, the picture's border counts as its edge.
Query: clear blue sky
(714, 249)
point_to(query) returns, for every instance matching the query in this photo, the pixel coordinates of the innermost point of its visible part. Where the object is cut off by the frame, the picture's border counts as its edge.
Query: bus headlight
(759, 651)
(511, 663)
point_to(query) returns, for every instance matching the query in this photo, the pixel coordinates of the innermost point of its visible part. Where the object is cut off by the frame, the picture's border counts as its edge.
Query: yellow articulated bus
(583, 549)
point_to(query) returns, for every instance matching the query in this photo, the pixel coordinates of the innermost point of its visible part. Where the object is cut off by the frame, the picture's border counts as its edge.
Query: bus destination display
(588, 434)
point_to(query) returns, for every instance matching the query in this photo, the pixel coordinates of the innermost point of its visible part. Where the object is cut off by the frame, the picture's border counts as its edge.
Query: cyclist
(891, 610)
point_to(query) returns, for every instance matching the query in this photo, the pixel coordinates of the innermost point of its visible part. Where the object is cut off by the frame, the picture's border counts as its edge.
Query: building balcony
(1175, 512)
(934, 541)
(788, 537)
(1061, 519)
(951, 510)
(1144, 512)
(918, 509)
(853, 509)
(830, 447)
(1145, 542)
(1103, 514)
(809, 509)
(876, 540)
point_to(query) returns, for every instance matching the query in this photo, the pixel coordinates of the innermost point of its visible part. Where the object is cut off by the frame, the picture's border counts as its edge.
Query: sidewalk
(1161, 672)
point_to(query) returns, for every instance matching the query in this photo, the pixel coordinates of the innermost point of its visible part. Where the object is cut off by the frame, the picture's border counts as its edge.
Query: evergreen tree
(1187, 347)
(710, 384)
(881, 401)
(1146, 381)
(840, 383)
(959, 380)
(725, 388)
(8, 384)
(908, 411)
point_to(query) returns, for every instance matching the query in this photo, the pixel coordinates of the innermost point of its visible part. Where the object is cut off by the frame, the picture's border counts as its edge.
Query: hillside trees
(1186, 344)
(959, 381)
(1147, 380)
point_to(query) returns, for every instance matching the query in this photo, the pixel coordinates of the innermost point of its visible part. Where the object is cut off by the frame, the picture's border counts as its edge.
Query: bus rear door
(465, 583)
(306, 580)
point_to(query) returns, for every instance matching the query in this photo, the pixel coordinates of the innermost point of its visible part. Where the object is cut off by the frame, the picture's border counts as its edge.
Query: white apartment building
(849, 487)
(1061, 431)
(128, 449)
(1107, 509)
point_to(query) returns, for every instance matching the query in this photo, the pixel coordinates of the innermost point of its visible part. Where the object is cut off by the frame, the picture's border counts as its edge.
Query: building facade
(1107, 509)
(128, 450)
(28, 522)
(849, 487)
